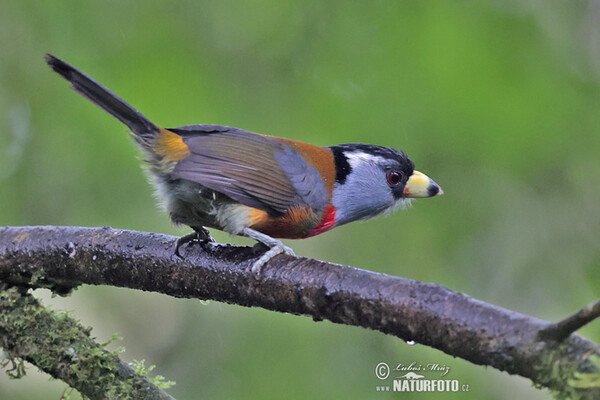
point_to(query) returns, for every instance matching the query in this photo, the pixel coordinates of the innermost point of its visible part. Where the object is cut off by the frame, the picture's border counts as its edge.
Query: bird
(255, 185)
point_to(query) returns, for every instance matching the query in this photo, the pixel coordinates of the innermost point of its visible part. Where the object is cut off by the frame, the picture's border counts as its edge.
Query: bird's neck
(327, 222)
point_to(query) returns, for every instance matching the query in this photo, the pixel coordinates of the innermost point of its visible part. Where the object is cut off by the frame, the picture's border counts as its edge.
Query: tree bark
(61, 258)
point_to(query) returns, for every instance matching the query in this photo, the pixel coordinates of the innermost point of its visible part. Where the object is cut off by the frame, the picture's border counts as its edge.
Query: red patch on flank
(326, 223)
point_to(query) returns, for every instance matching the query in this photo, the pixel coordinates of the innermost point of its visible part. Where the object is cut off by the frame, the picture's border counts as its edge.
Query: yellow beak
(420, 185)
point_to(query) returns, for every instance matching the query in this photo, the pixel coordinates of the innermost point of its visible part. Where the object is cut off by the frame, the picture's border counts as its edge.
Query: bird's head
(371, 180)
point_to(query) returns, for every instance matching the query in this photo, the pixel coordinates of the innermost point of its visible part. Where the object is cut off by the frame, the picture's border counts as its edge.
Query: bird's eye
(394, 178)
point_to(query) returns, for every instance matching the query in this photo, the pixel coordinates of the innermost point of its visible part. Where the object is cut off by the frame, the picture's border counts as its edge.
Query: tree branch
(60, 346)
(563, 328)
(61, 258)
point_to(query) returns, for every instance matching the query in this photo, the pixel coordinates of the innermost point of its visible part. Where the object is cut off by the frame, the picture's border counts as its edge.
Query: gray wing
(250, 168)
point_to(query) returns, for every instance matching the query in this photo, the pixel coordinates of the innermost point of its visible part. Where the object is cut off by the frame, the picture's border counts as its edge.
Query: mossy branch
(429, 314)
(60, 346)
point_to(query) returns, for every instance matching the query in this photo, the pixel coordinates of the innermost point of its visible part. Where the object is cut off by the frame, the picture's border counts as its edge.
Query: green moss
(580, 375)
(59, 345)
(15, 366)
(158, 380)
(38, 277)
(589, 379)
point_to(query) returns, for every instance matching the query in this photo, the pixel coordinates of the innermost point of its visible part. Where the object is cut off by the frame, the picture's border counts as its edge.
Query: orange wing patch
(258, 216)
(171, 146)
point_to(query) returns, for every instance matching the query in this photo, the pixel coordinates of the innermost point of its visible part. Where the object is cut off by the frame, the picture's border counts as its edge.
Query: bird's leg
(200, 234)
(275, 247)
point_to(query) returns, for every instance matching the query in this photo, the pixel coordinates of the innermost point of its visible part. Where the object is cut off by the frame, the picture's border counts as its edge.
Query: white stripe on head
(355, 158)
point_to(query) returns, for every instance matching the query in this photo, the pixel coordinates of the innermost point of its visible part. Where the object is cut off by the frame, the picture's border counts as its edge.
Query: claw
(200, 234)
(190, 237)
(275, 248)
(272, 252)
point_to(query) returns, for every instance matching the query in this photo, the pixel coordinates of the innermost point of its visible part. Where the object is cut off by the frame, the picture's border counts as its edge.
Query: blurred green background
(498, 101)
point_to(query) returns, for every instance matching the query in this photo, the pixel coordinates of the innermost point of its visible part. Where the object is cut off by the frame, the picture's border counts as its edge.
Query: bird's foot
(275, 247)
(200, 235)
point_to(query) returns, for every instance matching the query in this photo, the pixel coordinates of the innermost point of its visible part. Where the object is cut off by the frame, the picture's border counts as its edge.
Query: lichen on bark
(60, 346)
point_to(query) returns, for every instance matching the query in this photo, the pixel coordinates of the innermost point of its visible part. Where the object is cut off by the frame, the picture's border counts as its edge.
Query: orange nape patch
(171, 146)
(319, 157)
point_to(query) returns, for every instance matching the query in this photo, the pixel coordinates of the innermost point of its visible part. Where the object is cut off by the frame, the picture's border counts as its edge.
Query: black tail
(104, 98)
